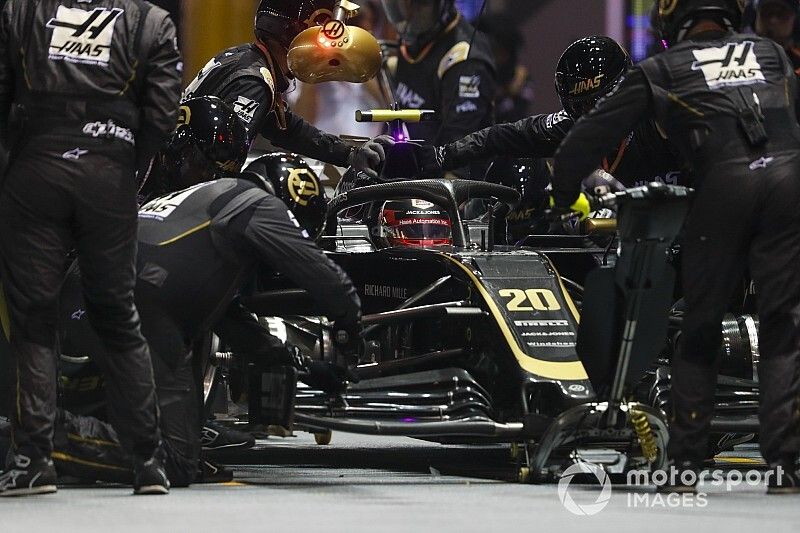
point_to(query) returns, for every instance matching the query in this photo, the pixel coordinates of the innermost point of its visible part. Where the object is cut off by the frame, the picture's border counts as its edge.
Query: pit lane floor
(388, 484)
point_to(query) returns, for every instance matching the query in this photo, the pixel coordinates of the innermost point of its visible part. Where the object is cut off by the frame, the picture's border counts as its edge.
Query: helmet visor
(420, 231)
(412, 18)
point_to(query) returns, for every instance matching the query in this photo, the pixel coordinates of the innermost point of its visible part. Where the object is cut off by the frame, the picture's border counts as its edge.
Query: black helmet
(210, 141)
(415, 20)
(588, 69)
(676, 17)
(283, 20)
(413, 223)
(289, 177)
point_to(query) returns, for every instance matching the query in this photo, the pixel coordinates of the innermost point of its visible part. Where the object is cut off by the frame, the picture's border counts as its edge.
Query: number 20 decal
(530, 300)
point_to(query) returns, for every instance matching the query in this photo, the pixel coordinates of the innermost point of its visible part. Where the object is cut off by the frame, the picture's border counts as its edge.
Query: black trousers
(61, 193)
(741, 218)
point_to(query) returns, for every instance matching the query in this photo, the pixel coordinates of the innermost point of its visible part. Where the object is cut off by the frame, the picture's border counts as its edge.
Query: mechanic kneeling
(198, 248)
(734, 124)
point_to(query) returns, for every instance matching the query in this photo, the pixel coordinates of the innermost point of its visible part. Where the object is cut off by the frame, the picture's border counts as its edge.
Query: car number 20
(530, 300)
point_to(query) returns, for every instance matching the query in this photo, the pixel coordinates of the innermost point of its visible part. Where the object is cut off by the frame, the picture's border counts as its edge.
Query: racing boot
(784, 480)
(149, 476)
(210, 472)
(215, 436)
(26, 476)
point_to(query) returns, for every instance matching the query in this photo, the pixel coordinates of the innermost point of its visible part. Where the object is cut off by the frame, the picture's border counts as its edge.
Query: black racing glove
(432, 160)
(369, 157)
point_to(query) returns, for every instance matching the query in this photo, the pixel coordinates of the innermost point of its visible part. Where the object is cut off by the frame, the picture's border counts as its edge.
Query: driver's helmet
(415, 223)
(283, 20)
(588, 70)
(289, 177)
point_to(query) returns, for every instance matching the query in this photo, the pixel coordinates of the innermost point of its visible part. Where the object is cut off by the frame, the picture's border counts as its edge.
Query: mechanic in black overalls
(88, 91)
(252, 79)
(726, 103)
(443, 65)
(199, 248)
(778, 20)
(587, 70)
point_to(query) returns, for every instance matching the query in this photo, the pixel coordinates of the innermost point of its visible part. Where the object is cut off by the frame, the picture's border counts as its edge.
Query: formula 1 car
(557, 347)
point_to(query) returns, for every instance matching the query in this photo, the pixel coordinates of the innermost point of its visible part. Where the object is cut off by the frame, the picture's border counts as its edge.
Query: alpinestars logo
(733, 64)
(81, 36)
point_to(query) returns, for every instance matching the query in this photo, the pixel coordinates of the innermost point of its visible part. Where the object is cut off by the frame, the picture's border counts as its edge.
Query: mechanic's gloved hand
(369, 157)
(582, 207)
(432, 161)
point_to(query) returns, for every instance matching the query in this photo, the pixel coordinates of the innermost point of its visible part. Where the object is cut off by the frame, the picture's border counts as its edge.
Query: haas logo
(81, 36)
(733, 64)
(586, 85)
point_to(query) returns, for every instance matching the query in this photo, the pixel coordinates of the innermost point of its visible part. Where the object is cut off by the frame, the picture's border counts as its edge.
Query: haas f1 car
(559, 346)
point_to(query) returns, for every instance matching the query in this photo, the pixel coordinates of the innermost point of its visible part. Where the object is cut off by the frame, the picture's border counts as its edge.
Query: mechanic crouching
(726, 103)
(199, 248)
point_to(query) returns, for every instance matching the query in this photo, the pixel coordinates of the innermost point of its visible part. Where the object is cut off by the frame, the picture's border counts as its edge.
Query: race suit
(198, 251)
(244, 77)
(701, 93)
(87, 92)
(453, 78)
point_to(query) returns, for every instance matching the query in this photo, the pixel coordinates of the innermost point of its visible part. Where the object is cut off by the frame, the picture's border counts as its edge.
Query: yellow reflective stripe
(5, 318)
(388, 115)
(547, 369)
(186, 233)
(97, 442)
(60, 456)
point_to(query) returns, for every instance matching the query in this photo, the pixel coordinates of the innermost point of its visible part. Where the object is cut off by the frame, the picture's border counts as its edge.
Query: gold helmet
(334, 51)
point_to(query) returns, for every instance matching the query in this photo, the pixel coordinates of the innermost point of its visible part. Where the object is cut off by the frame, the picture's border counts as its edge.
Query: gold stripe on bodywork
(186, 233)
(547, 369)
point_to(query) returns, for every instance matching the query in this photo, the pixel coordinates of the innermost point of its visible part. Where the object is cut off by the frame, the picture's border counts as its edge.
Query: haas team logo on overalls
(732, 64)
(81, 36)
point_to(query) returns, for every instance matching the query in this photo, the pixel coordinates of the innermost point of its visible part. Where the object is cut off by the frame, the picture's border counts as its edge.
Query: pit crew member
(588, 69)
(726, 102)
(443, 65)
(253, 77)
(88, 91)
(199, 247)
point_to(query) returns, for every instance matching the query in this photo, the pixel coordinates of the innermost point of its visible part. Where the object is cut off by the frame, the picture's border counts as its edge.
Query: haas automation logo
(81, 36)
(732, 64)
